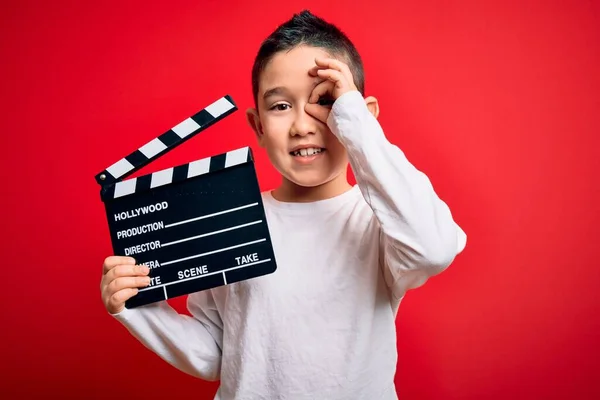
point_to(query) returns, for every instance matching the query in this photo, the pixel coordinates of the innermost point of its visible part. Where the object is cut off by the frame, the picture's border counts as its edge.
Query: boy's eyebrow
(281, 90)
(278, 90)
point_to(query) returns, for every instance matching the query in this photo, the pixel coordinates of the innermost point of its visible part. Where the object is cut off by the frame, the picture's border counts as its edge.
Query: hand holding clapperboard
(197, 226)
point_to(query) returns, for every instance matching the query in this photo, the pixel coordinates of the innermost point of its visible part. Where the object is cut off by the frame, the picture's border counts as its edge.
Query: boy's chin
(310, 180)
(308, 183)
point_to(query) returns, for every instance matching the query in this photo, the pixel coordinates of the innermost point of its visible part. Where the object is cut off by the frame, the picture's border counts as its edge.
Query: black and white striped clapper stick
(197, 226)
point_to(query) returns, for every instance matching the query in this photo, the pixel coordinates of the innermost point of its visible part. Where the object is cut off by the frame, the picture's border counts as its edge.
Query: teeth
(307, 152)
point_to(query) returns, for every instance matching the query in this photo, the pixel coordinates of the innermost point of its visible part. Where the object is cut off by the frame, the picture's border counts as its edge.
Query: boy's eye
(280, 107)
(325, 101)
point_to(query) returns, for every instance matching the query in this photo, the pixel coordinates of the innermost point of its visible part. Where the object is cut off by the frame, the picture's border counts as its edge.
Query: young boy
(323, 325)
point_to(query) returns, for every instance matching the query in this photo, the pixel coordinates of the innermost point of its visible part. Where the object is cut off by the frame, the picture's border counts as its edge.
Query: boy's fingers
(343, 68)
(319, 112)
(127, 282)
(332, 63)
(321, 89)
(313, 70)
(126, 270)
(113, 261)
(332, 75)
(116, 301)
(337, 65)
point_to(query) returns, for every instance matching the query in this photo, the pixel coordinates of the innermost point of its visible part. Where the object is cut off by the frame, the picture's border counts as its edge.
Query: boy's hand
(121, 279)
(338, 80)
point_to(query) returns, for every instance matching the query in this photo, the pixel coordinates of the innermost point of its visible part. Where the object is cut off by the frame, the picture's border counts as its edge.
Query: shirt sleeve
(191, 344)
(419, 237)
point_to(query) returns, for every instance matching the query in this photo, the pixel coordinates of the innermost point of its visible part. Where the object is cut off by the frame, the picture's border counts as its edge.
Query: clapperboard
(198, 225)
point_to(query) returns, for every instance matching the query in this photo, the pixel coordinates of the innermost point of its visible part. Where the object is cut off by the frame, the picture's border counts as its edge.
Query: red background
(498, 102)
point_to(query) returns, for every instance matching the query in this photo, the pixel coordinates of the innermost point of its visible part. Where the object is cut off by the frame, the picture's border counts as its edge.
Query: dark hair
(306, 28)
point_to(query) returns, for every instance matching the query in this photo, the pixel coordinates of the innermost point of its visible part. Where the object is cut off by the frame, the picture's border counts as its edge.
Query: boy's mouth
(307, 152)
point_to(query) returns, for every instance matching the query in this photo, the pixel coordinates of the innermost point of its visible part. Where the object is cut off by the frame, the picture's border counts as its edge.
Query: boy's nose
(304, 124)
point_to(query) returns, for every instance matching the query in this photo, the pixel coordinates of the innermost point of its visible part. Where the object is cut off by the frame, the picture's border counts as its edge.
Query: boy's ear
(372, 105)
(254, 122)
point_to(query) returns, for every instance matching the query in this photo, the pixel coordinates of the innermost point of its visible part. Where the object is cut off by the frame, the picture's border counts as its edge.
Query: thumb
(317, 111)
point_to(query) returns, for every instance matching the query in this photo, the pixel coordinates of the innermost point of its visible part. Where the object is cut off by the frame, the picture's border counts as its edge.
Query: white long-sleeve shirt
(323, 325)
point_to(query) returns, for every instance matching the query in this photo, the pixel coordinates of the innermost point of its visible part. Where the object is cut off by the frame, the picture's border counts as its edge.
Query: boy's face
(283, 127)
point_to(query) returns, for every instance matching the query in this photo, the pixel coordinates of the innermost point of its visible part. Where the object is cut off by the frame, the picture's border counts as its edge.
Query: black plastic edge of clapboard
(107, 191)
(104, 183)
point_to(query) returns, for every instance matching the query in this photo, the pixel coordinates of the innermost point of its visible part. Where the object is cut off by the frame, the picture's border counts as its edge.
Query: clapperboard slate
(197, 226)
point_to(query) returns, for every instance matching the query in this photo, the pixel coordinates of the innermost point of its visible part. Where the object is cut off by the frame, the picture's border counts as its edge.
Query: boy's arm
(190, 344)
(419, 236)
